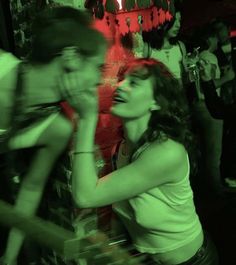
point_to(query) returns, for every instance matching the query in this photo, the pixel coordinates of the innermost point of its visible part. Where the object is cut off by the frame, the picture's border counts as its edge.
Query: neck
(166, 43)
(134, 129)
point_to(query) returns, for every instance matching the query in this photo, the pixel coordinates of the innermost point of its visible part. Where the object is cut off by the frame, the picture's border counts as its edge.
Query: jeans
(210, 133)
(206, 255)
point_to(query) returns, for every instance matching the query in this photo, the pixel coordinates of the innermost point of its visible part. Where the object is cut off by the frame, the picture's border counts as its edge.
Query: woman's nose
(122, 86)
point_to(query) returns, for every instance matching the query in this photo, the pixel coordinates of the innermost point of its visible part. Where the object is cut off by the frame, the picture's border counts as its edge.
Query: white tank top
(172, 58)
(162, 219)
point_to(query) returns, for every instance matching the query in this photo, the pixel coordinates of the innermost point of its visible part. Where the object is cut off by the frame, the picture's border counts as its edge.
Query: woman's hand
(80, 94)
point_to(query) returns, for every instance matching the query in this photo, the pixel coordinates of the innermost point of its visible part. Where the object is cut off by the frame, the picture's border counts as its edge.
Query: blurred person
(208, 129)
(150, 190)
(163, 44)
(63, 41)
(226, 54)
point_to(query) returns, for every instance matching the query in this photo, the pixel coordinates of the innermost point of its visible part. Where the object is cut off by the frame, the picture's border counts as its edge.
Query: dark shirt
(227, 112)
(216, 106)
(226, 60)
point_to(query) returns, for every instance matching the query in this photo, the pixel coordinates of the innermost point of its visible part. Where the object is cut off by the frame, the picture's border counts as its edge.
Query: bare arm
(159, 164)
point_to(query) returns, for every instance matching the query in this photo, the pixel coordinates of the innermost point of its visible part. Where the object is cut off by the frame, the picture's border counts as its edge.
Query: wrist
(88, 122)
(91, 118)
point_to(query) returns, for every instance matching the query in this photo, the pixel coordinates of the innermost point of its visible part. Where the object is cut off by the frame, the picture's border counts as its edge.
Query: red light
(233, 33)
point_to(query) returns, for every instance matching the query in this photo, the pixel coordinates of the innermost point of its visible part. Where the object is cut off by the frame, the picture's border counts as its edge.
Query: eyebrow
(138, 76)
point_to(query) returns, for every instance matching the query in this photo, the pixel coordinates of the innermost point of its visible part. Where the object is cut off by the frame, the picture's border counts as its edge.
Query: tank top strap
(180, 48)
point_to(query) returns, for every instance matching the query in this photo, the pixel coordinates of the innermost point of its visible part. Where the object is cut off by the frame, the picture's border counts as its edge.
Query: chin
(113, 111)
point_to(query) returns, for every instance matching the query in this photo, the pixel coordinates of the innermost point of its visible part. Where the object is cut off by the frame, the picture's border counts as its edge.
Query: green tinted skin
(88, 190)
(174, 30)
(42, 83)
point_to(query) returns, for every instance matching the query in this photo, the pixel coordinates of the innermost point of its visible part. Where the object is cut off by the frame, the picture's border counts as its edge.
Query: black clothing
(225, 61)
(226, 112)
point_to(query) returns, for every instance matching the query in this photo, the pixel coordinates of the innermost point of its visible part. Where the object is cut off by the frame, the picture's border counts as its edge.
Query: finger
(71, 85)
(66, 86)
(61, 86)
(77, 81)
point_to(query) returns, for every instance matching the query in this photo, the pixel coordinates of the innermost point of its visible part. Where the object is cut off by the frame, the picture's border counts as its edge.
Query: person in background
(57, 49)
(150, 190)
(163, 44)
(208, 129)
(226, 54)
(226, 112)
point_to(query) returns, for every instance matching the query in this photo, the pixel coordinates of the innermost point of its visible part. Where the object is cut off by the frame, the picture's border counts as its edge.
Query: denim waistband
(198, 254)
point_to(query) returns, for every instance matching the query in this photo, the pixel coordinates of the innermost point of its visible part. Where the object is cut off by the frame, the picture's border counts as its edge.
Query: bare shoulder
(169, 148)
(168, 157)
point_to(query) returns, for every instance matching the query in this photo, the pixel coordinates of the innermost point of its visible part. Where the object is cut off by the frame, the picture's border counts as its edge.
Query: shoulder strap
(114, 154)
(181, 48)
(149, 51)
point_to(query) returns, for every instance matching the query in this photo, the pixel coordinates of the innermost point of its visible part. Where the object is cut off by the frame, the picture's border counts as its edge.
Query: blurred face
(91, 68)
(174, 30)
(133, 97)
(88, 68)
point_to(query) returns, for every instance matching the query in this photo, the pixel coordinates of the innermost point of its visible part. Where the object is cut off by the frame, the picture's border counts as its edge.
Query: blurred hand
(82, 98)
(207, 70)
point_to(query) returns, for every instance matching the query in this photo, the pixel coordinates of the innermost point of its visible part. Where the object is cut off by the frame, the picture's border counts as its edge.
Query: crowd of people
(150, 188)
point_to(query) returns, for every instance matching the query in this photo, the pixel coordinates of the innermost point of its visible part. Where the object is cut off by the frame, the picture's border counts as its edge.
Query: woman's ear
(70, 58)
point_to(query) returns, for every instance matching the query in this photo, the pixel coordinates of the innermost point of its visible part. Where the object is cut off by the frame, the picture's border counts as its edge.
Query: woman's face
(174, 30)
(133, 97)
(89, 68)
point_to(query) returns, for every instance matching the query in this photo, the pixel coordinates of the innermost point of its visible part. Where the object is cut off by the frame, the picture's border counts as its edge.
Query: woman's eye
(133, 83)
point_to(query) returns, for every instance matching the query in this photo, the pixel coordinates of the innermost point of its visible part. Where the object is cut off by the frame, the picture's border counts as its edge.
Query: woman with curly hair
(150, 190)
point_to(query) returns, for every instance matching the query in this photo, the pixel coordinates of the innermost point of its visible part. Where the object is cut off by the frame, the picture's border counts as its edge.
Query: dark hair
(218, 23)
(127, 41)
(60, 27)
(202, 34)
(155, 37)
(172, 120)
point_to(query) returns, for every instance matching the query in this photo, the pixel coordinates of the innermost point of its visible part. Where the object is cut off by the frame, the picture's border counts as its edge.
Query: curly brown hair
(172, 120)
